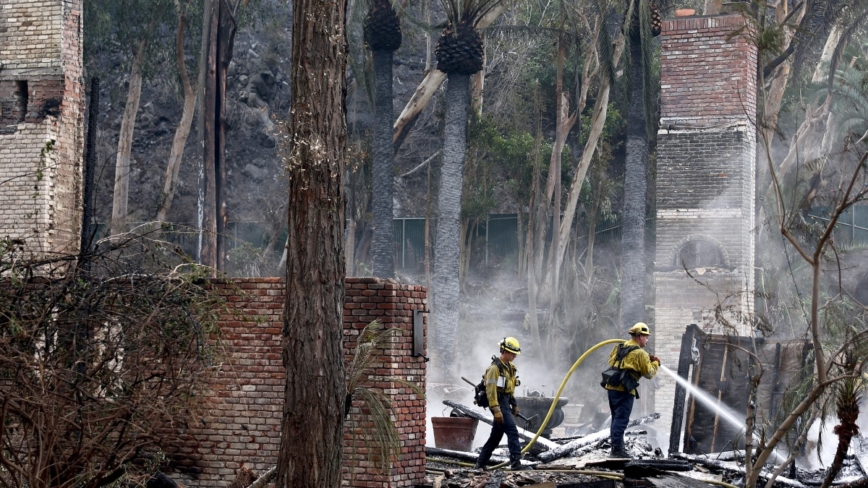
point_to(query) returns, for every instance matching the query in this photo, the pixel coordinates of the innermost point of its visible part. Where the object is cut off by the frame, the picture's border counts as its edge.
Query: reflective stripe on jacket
(491, 375)
(637, 361)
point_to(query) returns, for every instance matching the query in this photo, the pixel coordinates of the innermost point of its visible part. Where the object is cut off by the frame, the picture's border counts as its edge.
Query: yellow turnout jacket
(637, 361)
(492, 374)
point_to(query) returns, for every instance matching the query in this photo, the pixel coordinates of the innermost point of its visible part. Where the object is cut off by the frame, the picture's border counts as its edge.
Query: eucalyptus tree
(183, 9)
(382, 32)
(135, 27)
(459, 54)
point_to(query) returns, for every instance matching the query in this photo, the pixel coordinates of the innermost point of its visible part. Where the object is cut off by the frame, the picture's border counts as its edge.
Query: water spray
(726, 413)
(704, 398)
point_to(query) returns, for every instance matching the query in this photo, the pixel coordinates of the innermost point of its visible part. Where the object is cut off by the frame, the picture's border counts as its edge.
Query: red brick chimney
(708, 69)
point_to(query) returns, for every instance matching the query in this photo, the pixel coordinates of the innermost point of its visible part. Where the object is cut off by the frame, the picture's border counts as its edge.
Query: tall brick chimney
(41, 123)
(705, 184)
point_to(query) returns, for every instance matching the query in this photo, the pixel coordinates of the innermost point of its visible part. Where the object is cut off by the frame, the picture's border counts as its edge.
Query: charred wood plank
(765, 474)
(675, 481)
(571, 447)
(685, 359)
(461, 455)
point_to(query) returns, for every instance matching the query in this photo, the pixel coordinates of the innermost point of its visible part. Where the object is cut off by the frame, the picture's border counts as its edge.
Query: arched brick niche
(699, 251)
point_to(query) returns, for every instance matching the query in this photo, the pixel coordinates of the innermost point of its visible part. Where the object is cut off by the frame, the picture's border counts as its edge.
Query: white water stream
(704, 398)
(724, 412)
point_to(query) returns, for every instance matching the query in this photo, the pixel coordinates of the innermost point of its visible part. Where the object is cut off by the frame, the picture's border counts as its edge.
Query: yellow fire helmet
(641, 328)
(510, 344)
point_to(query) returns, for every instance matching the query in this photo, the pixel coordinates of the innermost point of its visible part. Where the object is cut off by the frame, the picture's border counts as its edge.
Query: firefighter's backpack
(615, 376)
(480, 397)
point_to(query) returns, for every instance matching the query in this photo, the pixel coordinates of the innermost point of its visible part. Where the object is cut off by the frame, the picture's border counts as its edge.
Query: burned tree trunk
(312, 424)
(209, 151)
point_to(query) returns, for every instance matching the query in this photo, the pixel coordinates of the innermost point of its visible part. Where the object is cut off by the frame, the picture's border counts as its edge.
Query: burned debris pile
(584, 461)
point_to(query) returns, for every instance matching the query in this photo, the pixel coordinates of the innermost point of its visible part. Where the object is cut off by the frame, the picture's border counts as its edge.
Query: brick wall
(705, 184)
(706, 74)
(242, 414)
(30, 33)
(41, 122)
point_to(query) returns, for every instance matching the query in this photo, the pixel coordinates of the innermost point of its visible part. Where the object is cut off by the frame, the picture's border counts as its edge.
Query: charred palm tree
(459, 54)
(846, 394)
(382, 31)
(639, 30)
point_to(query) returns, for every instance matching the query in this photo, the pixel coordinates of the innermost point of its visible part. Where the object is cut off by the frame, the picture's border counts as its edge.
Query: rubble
(584, 461)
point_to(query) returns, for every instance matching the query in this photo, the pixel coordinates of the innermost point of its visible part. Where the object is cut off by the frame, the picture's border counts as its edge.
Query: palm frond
(468, 12)
(384, 441)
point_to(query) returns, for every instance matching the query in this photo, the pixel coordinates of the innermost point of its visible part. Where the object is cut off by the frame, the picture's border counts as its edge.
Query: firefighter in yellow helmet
(628, 361)
(500, 380)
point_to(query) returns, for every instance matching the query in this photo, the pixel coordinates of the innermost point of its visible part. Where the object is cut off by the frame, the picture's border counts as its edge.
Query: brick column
(705, 185)
(392, 304)
(240, 419)
(41, 123)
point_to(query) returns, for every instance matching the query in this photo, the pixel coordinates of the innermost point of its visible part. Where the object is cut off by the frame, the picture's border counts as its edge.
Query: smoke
(497, 311)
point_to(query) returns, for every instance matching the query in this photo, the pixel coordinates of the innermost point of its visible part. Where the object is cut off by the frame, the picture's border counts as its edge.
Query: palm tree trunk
(447, 244)
(125, 142)
(635, 186)
(383, 245)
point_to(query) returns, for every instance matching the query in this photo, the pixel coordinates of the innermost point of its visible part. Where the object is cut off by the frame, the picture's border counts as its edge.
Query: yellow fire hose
(602, 474)
(558, 394)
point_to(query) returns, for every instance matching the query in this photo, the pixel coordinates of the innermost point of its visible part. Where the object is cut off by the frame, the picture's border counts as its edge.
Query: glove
(655, 358)
(498, 417)
(515, 410)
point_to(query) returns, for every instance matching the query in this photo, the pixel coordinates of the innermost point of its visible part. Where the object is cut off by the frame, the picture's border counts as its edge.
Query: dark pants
(621, 405)
(497, 430)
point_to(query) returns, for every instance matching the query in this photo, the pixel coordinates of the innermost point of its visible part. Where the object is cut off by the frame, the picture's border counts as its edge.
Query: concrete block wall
(41, 122)
(241, 417)
(705, 184)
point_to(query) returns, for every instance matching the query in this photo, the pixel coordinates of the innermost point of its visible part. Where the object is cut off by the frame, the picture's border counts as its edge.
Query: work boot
(515, 462)
(480, 463)
(618, 452)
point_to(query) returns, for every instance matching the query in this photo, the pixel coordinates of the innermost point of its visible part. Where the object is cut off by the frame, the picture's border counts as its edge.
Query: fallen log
(737, 455)
(732, 466)
(571, 447)
(266, 478)
(244, 478)
(524, 434)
